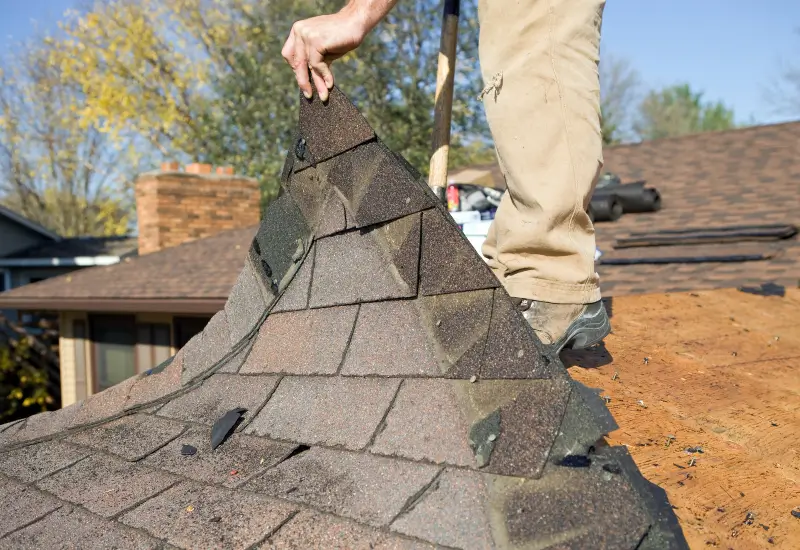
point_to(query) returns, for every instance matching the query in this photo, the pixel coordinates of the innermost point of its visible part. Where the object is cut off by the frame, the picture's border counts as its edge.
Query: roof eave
(128, 305)
(25, 222)
(77, 261)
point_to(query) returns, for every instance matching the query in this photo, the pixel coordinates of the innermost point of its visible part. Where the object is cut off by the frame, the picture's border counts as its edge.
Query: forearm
(369, 12)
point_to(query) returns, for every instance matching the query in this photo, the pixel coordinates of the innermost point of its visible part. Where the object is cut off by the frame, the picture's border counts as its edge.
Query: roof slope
(388, 400)
(748, 176)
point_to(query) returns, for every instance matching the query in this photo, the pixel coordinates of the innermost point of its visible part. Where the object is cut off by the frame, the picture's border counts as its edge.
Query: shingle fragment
(448, 262)
(387, 257)
(302, 342)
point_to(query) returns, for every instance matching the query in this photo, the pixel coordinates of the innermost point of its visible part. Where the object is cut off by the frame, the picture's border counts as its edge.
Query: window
(152, 345)
(114, 342)
(187, 327)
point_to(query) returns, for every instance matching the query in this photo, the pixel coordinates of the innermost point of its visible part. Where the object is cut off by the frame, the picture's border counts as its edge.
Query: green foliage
(677, 111)
(29, 381)
(204, 79)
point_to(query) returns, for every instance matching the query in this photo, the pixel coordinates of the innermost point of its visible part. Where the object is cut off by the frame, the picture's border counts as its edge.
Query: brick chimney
(176, 206)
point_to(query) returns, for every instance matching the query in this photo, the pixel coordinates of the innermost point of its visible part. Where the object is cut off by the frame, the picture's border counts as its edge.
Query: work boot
(571, 326)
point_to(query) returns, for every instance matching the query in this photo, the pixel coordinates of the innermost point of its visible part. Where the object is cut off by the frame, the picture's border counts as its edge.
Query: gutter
(116, 305)
(77, 261)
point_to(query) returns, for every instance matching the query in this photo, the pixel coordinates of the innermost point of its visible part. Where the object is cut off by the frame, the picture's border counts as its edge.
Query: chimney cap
(225, 170)
(171, 166)
(198, 168)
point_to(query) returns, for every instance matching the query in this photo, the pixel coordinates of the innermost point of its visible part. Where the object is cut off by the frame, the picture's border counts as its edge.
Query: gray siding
(14, 237)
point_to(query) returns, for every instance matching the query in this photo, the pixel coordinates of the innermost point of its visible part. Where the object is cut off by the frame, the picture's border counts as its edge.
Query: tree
(54, 168)
(29, 369)
(204, 79)
(677, 111)
(619, 88)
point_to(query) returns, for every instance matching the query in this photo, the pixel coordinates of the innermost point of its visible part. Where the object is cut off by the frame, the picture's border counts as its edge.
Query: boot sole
(589, 329)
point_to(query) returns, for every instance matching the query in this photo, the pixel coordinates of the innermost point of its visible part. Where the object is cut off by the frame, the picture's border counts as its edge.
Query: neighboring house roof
(74, 251)
(25, 222)
(748, 176)
(380, 394)
(195, 277)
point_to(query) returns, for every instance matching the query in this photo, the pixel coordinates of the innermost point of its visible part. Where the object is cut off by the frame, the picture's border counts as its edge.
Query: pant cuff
(551, 291)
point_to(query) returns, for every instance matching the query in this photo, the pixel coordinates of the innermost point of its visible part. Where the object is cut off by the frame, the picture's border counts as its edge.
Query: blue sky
(730, 49)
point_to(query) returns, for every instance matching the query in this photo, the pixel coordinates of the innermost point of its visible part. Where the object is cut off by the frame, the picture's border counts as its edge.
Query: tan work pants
(544, 114)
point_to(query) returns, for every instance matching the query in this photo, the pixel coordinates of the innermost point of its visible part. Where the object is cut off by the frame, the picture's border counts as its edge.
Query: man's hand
(317, 42)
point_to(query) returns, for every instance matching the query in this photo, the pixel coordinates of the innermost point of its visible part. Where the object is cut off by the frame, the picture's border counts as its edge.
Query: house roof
(381, 394)
(748, 176)
(25, 222)
(194, 277)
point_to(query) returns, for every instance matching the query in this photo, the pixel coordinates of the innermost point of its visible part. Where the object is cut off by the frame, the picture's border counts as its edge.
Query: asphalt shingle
(42, 459)
(453, 512)
(302, 342)
(131, 437)
(22, 504)
(219, 394)
(209, 347)
(192, 515)
(387, 257)
(245, 304)
(234, 462)
(105, 485)
(322, 410)
(71, 527)
(366, 488)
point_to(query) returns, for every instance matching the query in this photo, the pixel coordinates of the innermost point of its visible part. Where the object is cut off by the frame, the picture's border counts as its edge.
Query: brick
(317, 119)
(283, 231)
(247, 455)
(103, 405)
(295, 296)
(131, 437)
(191, 515)
(42, 459)
(363, 266)
(426, 423)
(327, 411)
(366, 488)
(105, 485)
(245, 304)
(512, 348)
(302, 342)
(332, 533)
(449, 263)
(453, 512)
(571, 502)
(389, 340)
(47, 423)
(71, 527)
(153, 387)
(204, 350)
(218, 395)
(377, 185)
(21, 505)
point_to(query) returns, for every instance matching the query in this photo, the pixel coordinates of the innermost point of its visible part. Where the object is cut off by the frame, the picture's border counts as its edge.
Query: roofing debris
(370, 398)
